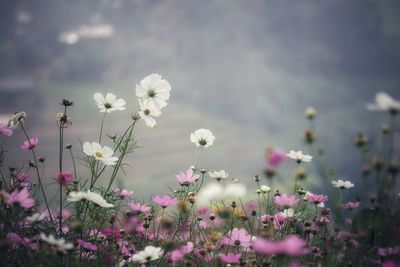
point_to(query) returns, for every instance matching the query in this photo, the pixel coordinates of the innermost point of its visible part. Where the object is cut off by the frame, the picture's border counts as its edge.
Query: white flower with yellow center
(342, 184)
(153, 90)
(109, 102)
(202, 137)
(147, 112)
(150, 253)
(104, 154)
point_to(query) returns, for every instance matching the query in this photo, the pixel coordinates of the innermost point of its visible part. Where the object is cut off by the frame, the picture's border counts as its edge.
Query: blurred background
(246, 70)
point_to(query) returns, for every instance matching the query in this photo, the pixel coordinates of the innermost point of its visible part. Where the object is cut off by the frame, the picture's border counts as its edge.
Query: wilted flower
(104, 154)
(148, 112)
(108, 103)
(64, 178)
(153, 90)
(218, 175)
(150, 253)
(75, 196)
(4, 130)
(30, 144)
(187, 178)
(202, 137)
(59, 244)
(299, 157)
(342, 184)
(165, 201)
(384, 102)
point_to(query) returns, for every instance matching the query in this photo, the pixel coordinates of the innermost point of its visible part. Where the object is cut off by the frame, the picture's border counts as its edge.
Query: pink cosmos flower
(238, 237)
(122, 193)
(110, 231)
(64, 178)
(21, 198)
(316, 199)
(351, 205)
(4, 130)
(23, 177)
(187, 178)
(291, 246)
(138, 207)
(251, 205)
(390, 264)
(230, 258)
(17, 241)
(87, 245)
(165, 201)
(279, 220)
(179, 253)
(286, 201)
(30, 144)
(266, 218)
(388, 251)
(276, 157)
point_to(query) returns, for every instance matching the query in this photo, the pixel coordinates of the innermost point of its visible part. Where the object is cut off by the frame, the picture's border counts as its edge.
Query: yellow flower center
(99, 154)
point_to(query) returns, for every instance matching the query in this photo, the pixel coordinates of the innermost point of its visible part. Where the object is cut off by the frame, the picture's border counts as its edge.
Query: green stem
(102, 124)
(198, 157)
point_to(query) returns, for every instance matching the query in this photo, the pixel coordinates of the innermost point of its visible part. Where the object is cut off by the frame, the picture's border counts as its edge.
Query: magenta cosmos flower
(122, 193)
(87, 245)
(165, 201)
(316, 199)
(351, 205)
(276, 157)
(4, 130)
(179, 253)
(64, 178)
(21, 198)
(187, 178)
(238, 237)
(30, 144)
(230, 258)
(291, 246)
(286, 201)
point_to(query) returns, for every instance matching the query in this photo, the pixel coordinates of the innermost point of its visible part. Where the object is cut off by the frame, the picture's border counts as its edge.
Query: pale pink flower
(4, 130)
(316, 199)
(21, 198)
(187, 178)
(230, 258)
(238, 237)
(87, 245)
(286, 201)
(351, 205)
(64, 178)
(122, 193)
(179, 253)
(30, 144)
(291, 246)
(165, 201)
(138, 207)
(23, 177)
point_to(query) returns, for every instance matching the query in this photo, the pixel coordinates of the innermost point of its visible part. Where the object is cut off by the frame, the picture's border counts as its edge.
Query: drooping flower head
(165, 201)
(4, 130)
(153, 91)
(342, 184)
(187, 178)
(30, 144)
(286, 201)
(150, 253)
(104, 154)
(299, 157)
(64, 178)
(109, 102)
(202, 137)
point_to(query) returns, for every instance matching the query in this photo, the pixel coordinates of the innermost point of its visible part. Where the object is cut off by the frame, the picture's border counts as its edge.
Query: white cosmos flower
(216, 191)
(202, 137)
(60, 244)
(299, 157)
(342, 184)
(265, 189)
(104, 154)
(76, 196)
(310, 113)
(109, 102)
(150, 253)
(384, 102)
(153, 90)
(147, 112)
(288, 213)
(36, 217)
(218, 175)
